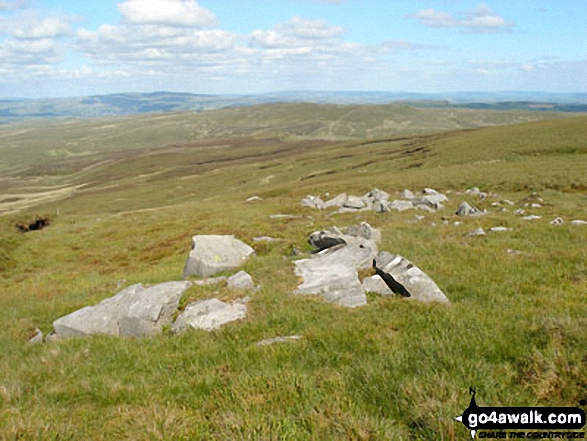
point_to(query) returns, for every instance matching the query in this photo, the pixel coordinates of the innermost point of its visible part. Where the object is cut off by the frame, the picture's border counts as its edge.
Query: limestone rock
(419, 284)
(37, 337)
(208, 315)
(466, 210)
(354, 202)
(477, 232)
(270, 341)
(578, 222)
(212, 254)
(406, 194)
(531, 217)
(377, 285)
(400, 205)
(241, 280)
(338, 201)
(134, 312)
(313, 202)
(500, 229)
(558, 221)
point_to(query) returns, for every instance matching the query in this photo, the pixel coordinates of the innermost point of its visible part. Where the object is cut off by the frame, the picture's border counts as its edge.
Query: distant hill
(17, 110)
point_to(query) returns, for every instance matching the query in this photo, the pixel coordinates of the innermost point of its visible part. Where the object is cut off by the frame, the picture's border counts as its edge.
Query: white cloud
(6, 5)
(33, 28)
(482, 19)
(180, 13)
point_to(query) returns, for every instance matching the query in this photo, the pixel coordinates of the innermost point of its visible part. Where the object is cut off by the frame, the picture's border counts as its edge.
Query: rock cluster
(378, 200)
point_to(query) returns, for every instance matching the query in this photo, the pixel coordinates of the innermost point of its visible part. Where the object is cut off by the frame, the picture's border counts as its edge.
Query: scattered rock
(401, 205)
(271, 341)
(466, 210)
(134, 312)
(519, 211)
(535, 205)
(500, 229)
(513, 252)
(37, 337)
(419, 284)
(313, 202)
(338, 201)
(477, 232)
(531, 217)
(212, 254)
(254, 198)
(406, 194)
(354, 202)
(578, 222)
(419, 217)
(284, 216)
(558, 221)
(377, 195)
(507, 201)
(208, 315)
(240, 280)
(476, 192)
(264, 239)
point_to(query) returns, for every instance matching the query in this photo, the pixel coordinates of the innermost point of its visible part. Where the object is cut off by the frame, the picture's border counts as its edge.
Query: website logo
(533, 422)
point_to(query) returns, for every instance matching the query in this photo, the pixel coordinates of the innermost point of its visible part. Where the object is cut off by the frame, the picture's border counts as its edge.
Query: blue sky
(74, 48)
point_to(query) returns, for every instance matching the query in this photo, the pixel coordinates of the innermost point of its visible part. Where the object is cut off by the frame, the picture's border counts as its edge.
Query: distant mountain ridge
(121, 104)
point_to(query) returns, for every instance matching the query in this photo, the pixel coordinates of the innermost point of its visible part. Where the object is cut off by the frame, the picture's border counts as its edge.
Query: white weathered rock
(337, 201)
(313, 202)
(212, 254)
(270, 341)
(354, 202)
(477, 232)
(254, 198)
(519, 211)
(400, 205)
(466, 210)
(500, 229)
(438, 196)
(406, 194)
(208, 315)
(381, 206)
(377, 285)
(558, 221)
(578, 222)
(134, 312)
(284, 216)
(531, 217)
(240, 280)
(265, 239)
(507, 201)
(419, 284)
(37, 337)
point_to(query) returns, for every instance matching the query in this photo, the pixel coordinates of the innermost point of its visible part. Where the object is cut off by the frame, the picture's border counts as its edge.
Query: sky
(63, 48)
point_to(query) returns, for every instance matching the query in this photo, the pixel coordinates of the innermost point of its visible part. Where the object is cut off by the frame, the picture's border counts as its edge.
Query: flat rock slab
(134, 312)
(212, 254)
(208, 315)
(377, 285)
(270, 341)
(419, 284)
(241, 280)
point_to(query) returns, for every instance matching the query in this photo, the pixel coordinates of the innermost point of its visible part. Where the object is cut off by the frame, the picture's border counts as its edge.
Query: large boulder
(134, 312)
(419, 284)
(209, 315)
(338, 201)
(212, 254)
(332, 272)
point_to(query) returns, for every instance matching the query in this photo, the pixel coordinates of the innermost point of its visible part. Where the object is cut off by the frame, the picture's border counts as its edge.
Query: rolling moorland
(125, 195)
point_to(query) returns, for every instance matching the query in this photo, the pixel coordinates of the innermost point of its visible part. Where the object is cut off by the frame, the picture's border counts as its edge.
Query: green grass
(394, 369)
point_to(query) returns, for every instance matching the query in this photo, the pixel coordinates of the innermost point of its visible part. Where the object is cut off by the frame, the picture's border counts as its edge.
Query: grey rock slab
(134, 312)
(265, 239)
(208, 315)
(400, 205)
(466, 210)
(241, 280)
(406, 194)
(365, 231)
(281, 339)
(531, 217)
(254, 198)
(477, 232)
(354, 202)
(377, 285)
(578, 222)
(313, 202)
(284, 216)
(381, 206)
(419, 284)
(337, 201)
(434, 195)
(377, 195)
(212, 254)
(37, 337)
(500, 229)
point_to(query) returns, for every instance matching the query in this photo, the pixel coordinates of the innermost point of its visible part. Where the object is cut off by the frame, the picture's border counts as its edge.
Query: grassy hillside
(394, 369)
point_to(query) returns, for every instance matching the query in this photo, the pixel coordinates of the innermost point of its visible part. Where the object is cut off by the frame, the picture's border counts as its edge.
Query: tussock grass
(394, 369)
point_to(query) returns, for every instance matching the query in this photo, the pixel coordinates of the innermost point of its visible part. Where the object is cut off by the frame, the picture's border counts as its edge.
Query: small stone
(558, 221)
(578, 222)
(477, 232)
(520, 211)
(531, 217)
(37, 337)
(270, 341)
(264, 239)
(208, 315)
(240, 280)
(254, 198)
(500, 229)
(406, 194)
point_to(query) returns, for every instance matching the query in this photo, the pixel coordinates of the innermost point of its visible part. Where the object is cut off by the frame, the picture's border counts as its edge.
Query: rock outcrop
(419, 284)
(212, 254)
(209, 315)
